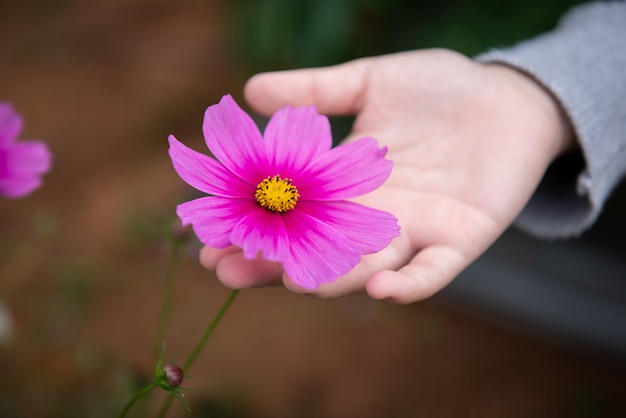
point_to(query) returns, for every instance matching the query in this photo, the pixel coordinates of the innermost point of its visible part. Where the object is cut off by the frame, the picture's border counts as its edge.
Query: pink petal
(369, 230)
(234, 139)
(205, 173)
(262, 231)
(10, 123)
(19, 188)
(213, 218)
(26, 158)
(344, 172)
(21, 166)
(318, 253)
(294, 137)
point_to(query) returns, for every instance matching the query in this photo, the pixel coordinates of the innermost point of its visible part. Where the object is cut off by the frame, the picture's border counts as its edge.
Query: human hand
(470, 143)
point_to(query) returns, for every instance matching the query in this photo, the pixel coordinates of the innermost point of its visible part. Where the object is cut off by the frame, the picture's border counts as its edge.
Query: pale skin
(470, 143)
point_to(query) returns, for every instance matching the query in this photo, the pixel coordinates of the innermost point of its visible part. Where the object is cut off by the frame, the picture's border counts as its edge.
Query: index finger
(336, 90)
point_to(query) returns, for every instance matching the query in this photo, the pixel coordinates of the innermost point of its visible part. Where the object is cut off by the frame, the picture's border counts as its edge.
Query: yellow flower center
(277, 194)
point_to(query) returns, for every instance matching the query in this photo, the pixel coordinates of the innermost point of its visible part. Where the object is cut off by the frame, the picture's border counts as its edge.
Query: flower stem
(200, 345)
(168, 293)
(135, 398)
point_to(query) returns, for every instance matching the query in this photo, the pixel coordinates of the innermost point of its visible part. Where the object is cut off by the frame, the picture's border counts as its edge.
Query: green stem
(200, 345)
(135, 398)
(168, 294)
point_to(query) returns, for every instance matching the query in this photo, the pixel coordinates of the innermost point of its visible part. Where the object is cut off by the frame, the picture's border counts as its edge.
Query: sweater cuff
(582, 64)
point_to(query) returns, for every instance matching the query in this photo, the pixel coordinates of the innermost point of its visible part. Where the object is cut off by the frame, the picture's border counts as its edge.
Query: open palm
(469, 142)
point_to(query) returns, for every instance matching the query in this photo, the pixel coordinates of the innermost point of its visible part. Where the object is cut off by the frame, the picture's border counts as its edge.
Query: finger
(431, 270)
(209, 257)
(395, 255)
(236, 272)
(335, 90)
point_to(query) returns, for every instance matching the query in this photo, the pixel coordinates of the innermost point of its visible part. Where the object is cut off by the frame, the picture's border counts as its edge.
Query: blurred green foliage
(284, 34)
(281, 34)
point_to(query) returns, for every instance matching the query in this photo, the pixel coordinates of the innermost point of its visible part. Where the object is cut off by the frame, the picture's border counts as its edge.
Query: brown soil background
(82, 260)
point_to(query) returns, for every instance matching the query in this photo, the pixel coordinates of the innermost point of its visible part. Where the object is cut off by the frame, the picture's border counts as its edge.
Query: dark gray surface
(571, 292)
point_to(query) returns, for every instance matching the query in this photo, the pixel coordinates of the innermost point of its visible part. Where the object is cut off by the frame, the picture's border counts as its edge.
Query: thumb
(335, 90)
(431, 270)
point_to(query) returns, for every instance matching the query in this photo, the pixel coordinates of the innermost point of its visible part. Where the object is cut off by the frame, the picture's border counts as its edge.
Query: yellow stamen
(277, 194)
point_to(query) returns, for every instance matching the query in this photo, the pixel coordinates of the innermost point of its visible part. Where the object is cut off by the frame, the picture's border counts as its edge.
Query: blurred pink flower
(283, 194)
(22, 163)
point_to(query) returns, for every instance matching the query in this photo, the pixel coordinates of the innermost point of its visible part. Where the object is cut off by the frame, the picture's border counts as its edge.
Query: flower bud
(181, 234)
(173, 375)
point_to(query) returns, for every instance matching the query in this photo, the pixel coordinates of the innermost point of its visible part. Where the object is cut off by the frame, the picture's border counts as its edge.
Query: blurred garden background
(83, 259)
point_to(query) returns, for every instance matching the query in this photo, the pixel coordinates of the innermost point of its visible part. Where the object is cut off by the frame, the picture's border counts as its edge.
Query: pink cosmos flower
(21, 163)
(283, 194)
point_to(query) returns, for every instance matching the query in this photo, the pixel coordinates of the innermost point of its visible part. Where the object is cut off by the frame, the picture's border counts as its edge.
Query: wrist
(558, 127)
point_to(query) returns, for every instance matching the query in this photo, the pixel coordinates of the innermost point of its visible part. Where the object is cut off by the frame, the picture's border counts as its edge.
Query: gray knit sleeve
(583, 63)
